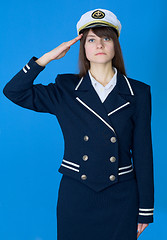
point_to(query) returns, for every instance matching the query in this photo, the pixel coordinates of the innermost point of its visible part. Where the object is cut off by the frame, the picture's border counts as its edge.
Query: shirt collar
(111, 82)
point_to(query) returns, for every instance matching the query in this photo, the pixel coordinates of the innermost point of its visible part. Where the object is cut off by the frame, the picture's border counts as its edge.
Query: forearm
(24, 78)
(44, 60)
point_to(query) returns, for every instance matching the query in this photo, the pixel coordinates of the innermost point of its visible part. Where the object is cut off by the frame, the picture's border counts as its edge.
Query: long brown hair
(117, 61)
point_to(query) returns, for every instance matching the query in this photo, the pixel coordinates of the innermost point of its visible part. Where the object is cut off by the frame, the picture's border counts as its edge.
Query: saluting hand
(57, 52)
(63, 48)
(140, 228)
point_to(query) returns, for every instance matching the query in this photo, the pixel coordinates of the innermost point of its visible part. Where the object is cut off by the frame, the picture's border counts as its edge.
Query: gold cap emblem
(98, 14)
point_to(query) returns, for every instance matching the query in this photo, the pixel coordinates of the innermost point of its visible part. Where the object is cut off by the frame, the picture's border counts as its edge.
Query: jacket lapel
(87, 96)
(122, 96)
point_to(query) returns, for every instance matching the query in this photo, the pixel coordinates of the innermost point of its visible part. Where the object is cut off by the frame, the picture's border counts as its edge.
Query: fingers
(71, 42)
(140, 228)
(62, 49)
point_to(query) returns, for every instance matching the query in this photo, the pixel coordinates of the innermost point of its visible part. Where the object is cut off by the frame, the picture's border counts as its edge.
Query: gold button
(85, 157)
(86, 138)
(83, 177)
(112, 177)
(112, 159)
(113, 139)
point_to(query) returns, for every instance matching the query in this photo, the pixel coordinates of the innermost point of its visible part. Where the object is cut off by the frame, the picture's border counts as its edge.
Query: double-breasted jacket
(105, 143)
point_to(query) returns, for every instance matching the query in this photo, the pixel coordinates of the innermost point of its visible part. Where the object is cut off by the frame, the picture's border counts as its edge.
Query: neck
(102, 72)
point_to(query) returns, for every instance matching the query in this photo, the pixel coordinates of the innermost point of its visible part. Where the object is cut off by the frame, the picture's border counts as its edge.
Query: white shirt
(101, 90)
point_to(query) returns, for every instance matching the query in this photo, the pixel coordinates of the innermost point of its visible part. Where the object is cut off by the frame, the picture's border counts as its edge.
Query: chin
(100, 62)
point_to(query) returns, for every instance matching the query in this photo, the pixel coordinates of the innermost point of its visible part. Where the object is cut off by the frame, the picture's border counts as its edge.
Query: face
(95, 45)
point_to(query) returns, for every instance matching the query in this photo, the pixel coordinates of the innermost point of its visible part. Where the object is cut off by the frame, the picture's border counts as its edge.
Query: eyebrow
(94, 36)
(91, 35)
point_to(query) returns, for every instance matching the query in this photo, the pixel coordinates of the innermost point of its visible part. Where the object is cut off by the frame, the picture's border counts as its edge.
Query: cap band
(94, 23)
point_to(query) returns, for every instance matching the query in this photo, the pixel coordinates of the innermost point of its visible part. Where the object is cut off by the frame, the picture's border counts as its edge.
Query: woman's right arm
(41, 98)
(21, 90)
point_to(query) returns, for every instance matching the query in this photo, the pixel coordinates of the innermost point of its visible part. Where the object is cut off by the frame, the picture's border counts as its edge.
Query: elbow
(8, 92)
(5, 91)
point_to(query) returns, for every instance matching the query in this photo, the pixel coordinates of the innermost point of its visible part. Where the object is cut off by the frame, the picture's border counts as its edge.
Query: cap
(98, 18)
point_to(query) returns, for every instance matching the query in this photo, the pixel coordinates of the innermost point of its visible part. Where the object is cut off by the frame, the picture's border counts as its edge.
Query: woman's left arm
(142, 155)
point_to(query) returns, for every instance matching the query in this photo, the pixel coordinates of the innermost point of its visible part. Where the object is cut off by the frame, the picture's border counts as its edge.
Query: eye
(106, 38)
(90, 39)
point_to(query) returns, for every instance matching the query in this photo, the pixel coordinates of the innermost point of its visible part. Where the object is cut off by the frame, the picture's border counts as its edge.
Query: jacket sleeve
(142, 155)
(40, 98)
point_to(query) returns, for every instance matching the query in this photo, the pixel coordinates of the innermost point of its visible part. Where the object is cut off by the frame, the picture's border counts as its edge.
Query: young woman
(107, 187)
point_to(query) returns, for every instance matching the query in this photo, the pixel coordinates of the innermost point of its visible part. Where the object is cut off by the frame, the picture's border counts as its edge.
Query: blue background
(32, 143)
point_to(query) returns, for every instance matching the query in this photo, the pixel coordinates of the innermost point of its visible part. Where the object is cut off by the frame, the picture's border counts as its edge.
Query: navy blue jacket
(104, 142)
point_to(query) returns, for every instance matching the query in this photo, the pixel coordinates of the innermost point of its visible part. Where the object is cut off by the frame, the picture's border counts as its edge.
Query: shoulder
(142, 93)
(68, 80)
(138, 86)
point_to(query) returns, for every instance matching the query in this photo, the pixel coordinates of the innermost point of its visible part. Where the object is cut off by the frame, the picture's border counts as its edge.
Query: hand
(141, 227)
(63, 48)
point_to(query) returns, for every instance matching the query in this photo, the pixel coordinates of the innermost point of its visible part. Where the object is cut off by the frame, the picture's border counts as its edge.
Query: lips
(100, 54)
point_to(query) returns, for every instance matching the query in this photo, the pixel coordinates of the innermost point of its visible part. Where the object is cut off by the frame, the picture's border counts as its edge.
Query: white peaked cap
(98, 18)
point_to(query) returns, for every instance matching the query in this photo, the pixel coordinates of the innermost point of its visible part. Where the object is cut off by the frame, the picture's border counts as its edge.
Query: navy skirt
(83, 214)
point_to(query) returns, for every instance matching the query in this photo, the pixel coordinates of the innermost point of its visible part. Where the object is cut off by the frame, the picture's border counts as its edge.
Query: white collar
(111, 82)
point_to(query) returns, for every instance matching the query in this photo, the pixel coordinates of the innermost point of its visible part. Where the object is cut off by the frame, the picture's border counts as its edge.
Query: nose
(99, 43)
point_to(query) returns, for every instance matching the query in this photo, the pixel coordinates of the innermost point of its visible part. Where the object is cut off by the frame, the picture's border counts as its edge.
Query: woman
(105, 118)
